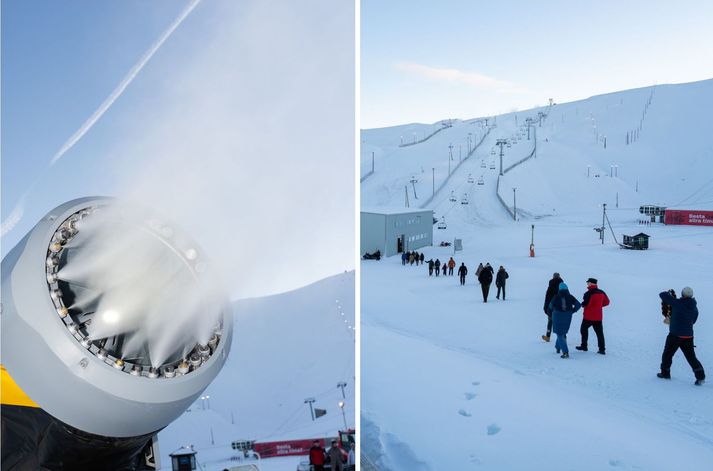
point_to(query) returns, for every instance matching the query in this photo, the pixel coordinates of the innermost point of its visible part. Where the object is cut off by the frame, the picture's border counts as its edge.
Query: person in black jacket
(552, 289)
(462, 271)
(438, 266)
(500, 281)
(486, 278)
(430, 267)
(684, 313)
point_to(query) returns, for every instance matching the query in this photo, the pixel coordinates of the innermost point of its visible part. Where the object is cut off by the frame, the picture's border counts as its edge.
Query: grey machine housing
(63, 377)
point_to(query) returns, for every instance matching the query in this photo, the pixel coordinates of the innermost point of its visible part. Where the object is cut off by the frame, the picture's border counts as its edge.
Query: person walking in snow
(404, 257)
(485, 278)
(500, 281)
(415, 257)
(317, 456)
(438, 267)
(336, 457)
(552, 289)
(451, 266)
(420, 257)
(462, 271)
(430, 267)
(410, 258)
(684, 313)
(562, 306)
(593, 302)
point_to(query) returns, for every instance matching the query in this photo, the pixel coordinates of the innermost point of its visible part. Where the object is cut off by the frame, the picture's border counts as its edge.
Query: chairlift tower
(501, 143)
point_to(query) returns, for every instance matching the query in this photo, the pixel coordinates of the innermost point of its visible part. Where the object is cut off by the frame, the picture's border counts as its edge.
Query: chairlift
(464, 200)
(492, 165)
(509, 145)
(453, 197)
(442, 223)
(482, 164)
(481, 181)
(492, 151)
(470, 178)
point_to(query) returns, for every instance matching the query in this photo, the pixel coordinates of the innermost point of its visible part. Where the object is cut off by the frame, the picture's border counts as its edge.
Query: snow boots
(581, 347)
(546, 338)
(565, 355)
(664, 375)
(699, 382)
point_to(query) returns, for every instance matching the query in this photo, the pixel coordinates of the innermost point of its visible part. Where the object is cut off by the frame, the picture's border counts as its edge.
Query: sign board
(457, 245)
(688, 217)
(284, 448)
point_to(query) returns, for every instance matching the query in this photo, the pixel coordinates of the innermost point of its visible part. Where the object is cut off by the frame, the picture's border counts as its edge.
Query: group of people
(484, 274)
(436, 267)
(559, 307)
(339, 459)
(679, 313)
(411, 257)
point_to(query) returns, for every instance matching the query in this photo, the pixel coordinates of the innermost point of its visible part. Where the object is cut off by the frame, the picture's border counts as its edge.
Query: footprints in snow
(469, 396)
(492, 429)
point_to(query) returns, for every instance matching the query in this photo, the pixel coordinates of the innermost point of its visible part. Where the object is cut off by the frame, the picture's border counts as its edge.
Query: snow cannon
(113, 323)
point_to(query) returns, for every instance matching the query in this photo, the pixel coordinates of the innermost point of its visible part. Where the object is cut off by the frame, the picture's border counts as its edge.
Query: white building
(393, 231)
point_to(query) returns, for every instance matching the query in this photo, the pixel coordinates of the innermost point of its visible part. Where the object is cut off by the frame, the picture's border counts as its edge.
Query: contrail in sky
(124, 83)
(16, 215)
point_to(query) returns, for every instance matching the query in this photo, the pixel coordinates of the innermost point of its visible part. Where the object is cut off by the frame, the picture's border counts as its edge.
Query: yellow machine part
(10, 392)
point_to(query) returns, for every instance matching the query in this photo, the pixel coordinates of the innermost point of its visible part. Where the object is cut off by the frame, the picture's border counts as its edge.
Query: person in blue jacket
(684, 313)
(562, 306)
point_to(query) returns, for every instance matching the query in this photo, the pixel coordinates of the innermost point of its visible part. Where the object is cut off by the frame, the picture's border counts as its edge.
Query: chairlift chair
(481, 181)
(492, 165)
(453, 197)
(470, 178)
(442, 223)
(464, 200)
(482, 164)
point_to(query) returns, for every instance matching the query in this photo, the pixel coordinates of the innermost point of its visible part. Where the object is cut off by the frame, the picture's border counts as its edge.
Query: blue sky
(230, 127)
(424, 61)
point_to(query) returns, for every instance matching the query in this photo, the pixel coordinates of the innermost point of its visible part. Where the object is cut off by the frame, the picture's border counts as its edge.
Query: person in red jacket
(593, 302)
(316, 456)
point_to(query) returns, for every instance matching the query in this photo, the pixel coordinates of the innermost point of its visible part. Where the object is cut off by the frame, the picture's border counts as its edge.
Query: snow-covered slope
(494, 395)
(286, 348)
(669, 161)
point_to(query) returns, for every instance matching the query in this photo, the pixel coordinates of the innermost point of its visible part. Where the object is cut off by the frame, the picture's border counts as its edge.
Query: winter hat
(563, 287)
(592, 280)
(687, 292)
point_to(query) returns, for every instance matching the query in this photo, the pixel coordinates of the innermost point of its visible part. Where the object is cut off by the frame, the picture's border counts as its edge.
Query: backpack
(565, 303)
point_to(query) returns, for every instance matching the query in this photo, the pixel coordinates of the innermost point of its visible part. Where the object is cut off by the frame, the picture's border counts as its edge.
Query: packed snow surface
(451, 382)
(286, 348)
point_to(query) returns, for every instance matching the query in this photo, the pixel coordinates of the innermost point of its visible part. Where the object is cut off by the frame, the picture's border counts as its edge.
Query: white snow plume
(253, 150)
(123, 84)
(149, 281)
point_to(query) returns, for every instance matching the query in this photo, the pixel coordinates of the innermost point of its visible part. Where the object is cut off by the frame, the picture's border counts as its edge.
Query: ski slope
(494, 395)
(286, 348)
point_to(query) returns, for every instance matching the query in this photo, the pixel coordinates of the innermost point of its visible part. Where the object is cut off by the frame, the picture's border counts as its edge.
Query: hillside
(286, 348)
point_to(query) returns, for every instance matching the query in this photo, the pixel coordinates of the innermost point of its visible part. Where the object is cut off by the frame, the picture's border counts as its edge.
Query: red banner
(285, 448)
(689, 217)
